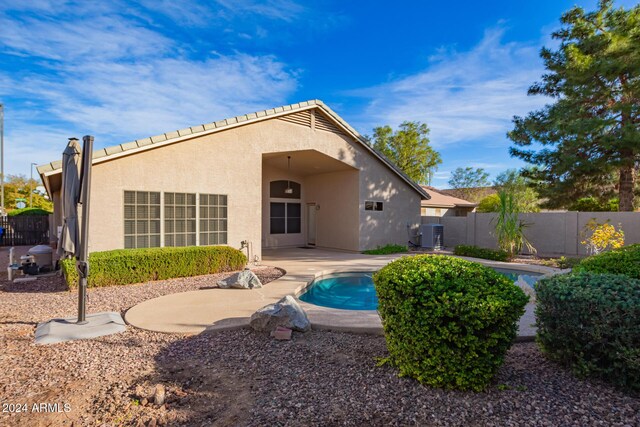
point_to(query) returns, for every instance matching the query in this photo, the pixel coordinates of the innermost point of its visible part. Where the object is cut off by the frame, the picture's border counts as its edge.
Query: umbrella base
(96, 325)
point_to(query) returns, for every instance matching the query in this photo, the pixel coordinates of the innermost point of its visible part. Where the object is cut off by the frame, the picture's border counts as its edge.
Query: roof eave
(129, 148)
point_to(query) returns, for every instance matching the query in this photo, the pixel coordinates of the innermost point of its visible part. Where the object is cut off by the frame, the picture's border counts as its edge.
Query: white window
(141, 219)
(213, 219)
(179, 219)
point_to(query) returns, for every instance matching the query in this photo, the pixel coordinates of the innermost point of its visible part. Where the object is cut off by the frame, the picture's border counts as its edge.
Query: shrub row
(484, 253)
(447, 322)
(589, 322)
(127, 266)
(28, 212)
(386, 250)
(625, 260)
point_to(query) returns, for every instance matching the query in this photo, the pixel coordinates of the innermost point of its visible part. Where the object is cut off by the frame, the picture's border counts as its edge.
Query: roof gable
(313, 113)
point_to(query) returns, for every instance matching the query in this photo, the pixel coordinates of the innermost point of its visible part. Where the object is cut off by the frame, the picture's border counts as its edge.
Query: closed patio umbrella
(76, 188)
(68, 245)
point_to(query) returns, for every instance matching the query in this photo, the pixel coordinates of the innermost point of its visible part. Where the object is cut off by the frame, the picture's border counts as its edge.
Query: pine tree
(591, 133)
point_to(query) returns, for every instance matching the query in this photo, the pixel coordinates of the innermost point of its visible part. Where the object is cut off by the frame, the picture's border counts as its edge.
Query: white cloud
(118, 79)
(462, 96)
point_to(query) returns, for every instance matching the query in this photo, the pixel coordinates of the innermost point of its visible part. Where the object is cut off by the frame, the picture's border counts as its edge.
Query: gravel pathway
(246, 378)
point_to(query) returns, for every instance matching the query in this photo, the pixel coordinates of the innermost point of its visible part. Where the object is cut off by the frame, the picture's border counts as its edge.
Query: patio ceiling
(305, 162)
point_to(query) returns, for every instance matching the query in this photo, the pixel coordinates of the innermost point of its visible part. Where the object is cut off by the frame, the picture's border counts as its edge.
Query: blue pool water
(355, 291)
(348, 291)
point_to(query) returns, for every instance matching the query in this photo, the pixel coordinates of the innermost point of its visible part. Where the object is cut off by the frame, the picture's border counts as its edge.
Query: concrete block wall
(551, 233)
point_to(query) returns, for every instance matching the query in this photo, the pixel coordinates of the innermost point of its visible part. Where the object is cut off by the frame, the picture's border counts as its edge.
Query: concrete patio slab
(67, 329)
(222, 309)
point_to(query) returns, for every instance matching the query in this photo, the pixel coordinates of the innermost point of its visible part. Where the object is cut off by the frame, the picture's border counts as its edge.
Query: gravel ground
(246, 378)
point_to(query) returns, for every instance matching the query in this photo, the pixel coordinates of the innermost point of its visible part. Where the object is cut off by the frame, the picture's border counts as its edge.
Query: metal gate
(24, 230)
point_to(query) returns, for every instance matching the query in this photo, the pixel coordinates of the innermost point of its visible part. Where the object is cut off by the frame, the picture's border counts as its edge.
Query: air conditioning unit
(432, 236)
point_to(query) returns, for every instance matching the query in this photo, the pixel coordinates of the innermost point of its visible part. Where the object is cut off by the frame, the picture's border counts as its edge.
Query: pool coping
(215, 309)
(335, 319)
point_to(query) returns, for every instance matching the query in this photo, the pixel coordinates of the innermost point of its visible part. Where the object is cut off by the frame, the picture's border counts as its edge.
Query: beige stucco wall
(401, 207)
(231, 162)
(337, 220)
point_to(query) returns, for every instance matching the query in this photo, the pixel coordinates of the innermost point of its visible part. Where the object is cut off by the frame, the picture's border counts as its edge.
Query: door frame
(311, 207)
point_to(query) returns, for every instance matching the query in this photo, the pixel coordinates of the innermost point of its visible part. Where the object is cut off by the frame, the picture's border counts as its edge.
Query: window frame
(207, 236)
(373, 206)
(286, 218)
(136, 220)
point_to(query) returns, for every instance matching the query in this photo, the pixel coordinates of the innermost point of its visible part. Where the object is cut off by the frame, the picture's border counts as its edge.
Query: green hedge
(127, 266)
(386, 250)
(28, 212)
(625, 260)
(589, 322)
(448, 322)
(476, 252)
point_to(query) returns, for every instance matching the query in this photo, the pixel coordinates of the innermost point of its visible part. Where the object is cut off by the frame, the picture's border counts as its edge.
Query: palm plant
(509, 228)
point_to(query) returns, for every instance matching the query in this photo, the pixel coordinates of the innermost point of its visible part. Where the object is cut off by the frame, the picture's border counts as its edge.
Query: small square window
(370, 205)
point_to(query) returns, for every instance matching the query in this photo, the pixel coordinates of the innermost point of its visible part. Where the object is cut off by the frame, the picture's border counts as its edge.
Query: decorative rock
(246, 279)
(286, 312)
(281, 333)
(159, 395)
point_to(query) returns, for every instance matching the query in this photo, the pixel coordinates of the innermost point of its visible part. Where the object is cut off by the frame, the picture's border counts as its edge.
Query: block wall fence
(551, 233)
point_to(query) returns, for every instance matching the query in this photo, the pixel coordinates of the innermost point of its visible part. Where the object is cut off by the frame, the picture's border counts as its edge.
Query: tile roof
(439, 199)
(104, 154)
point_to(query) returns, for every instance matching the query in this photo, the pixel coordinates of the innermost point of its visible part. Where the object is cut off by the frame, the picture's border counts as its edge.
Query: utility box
(432, 236)
(43, 255)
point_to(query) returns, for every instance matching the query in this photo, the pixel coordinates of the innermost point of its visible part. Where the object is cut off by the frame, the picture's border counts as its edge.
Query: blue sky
(126, 70)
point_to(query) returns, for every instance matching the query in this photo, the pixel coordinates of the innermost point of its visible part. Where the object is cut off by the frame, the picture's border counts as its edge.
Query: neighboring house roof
(441, 200)
(144, 144)
(459, 192)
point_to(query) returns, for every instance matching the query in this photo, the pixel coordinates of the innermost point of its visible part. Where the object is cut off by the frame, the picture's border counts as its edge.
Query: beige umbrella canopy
(69, 245)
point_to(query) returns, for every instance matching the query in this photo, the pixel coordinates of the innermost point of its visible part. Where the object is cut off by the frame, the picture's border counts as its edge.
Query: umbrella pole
(82, 263)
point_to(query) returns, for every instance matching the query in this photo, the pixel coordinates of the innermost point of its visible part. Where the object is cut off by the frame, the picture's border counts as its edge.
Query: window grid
(141, 219)
(285, 218)
(213, 219)
(179, 219)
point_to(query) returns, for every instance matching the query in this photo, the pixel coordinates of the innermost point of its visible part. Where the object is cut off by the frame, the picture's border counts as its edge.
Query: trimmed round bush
(590, 323)
(448, 322)
(625, 260)
(127, 266)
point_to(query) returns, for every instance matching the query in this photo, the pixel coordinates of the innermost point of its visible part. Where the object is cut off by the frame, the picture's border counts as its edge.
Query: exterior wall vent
(323, 123)
(302, 118)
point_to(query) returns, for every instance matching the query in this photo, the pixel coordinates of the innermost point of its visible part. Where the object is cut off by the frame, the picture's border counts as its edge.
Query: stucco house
(290, 176)
(441, 204)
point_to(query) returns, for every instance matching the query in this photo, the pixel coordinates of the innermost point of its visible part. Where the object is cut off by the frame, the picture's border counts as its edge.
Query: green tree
(514, 182)
(468, 182)
(409, 149)
(592, 130)
(592, 204)
(491, 203)
(19, 187)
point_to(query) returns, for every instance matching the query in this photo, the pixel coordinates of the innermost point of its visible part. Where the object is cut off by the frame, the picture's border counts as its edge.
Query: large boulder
(286, 312)
(246, 279)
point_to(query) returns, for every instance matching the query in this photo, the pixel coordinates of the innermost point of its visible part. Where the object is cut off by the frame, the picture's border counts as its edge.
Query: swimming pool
(355, 290)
